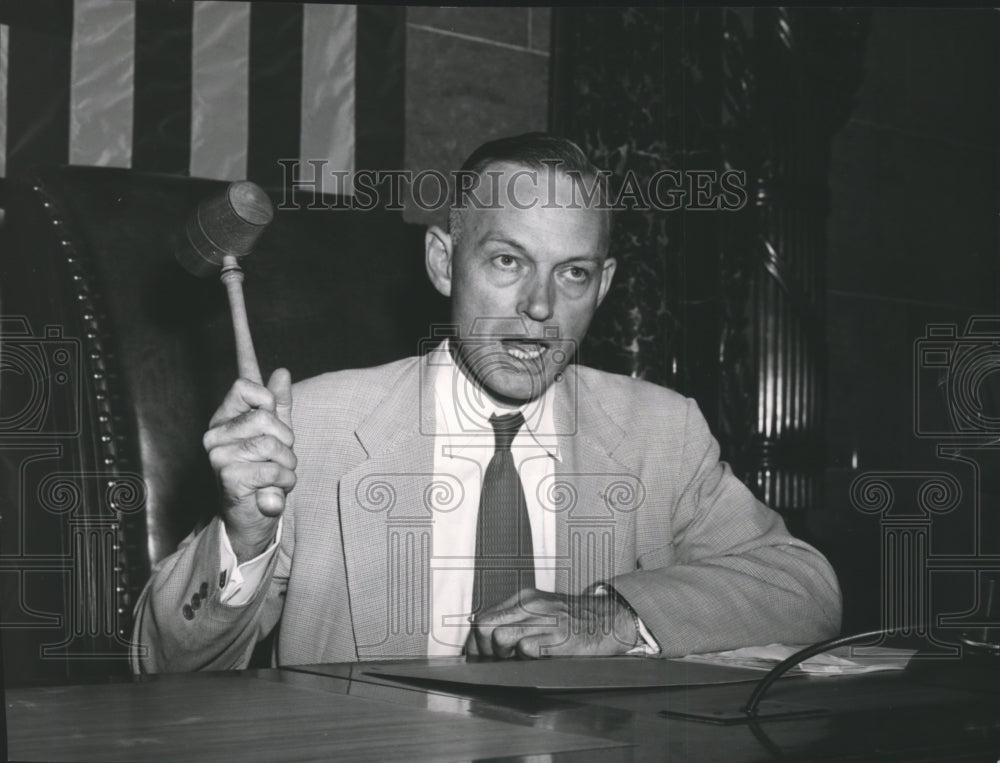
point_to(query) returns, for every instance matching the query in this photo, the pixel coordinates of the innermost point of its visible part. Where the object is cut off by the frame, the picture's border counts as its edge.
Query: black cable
(766, 742)
(804, 654)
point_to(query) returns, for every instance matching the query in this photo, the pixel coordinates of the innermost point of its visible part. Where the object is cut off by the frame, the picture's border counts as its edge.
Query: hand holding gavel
(249, 441)
(249, 444)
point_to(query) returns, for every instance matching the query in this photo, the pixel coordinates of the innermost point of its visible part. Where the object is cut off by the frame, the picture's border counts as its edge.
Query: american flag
(209, 89)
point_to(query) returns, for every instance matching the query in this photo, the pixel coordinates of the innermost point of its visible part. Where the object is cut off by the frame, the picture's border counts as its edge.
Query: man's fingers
(260, 448)
(245, 478)
(508, 611)
(247, 426)
(505, 638)
(525, 639)
(242, 397)
(484, 643)
(567, 644)
(535, 645)
(280, 385)
(511, 610)
(538, 624)
(270, 501)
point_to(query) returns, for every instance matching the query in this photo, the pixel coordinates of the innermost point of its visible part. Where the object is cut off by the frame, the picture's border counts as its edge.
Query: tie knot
(505, 429)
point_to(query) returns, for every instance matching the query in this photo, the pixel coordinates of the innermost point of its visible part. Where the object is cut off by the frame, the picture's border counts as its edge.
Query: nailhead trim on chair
(100, 366)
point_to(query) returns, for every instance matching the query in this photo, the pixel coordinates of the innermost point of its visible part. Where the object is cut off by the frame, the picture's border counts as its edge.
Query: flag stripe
(214, 89)
(101, 85)
(328, 63)
(38, 91)
(275, 101)
(162, 111)
(219, 89)
(4, 58)
(379, 83)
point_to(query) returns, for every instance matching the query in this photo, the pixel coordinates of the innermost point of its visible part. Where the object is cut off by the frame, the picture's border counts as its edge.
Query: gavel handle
(246, 358)
(270, 500)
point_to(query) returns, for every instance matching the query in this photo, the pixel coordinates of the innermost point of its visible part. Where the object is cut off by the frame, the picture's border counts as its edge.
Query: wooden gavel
(222, 230)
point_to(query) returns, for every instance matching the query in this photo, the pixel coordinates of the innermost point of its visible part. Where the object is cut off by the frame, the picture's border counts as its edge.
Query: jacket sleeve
(724, 572)
(180, 622)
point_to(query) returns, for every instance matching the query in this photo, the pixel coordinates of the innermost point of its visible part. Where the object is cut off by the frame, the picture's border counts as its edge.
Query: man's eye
(577, 274)
(506, 261)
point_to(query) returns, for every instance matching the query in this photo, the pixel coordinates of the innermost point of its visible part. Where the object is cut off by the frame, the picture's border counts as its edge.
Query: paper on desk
(844, 660)
(569, 674)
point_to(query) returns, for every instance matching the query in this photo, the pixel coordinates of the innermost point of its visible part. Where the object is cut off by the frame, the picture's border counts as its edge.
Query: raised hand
(249, 444)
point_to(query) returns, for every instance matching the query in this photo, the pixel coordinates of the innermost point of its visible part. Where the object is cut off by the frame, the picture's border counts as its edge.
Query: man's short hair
(532, 150)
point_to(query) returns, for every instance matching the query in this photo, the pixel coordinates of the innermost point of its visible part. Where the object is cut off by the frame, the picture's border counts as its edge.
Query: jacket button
(222, 579)
(203, 590)
(188, 612)
(195, 601)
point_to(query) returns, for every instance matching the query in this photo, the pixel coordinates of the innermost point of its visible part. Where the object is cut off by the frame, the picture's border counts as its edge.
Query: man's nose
(537, 300)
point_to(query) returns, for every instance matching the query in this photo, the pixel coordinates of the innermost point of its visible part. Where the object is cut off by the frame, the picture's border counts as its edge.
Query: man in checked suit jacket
(644, 542)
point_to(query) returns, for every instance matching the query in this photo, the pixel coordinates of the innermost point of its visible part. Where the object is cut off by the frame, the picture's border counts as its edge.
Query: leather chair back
(114, 359)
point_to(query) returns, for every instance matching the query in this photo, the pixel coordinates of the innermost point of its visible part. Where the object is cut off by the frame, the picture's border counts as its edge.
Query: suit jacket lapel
(386, 524)
(600, 492)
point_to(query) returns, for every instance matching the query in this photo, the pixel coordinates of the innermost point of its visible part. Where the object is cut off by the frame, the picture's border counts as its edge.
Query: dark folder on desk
(576, 674)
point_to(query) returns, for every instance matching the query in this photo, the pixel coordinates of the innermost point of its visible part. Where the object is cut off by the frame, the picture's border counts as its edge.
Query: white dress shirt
(463, 448)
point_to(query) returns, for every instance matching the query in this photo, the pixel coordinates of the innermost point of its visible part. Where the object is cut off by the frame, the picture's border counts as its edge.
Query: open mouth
(524, 349)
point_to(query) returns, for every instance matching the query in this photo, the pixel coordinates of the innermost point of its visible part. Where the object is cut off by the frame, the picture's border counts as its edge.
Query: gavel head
(225, 225)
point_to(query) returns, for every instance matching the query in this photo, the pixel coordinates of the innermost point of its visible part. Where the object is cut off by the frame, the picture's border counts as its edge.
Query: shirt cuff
(239, 582)
(647, 646)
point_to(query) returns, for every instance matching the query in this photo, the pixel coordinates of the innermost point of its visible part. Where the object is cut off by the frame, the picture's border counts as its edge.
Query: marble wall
(472, 74)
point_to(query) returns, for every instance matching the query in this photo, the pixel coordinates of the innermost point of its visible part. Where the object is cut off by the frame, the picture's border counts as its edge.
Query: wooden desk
(340, 712)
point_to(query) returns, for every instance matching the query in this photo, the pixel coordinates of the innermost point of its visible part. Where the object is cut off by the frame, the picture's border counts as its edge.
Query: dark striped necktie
(505, 560)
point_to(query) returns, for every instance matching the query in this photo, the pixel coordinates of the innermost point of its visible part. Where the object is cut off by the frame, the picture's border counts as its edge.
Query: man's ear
(607, 273)
(437, 258)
